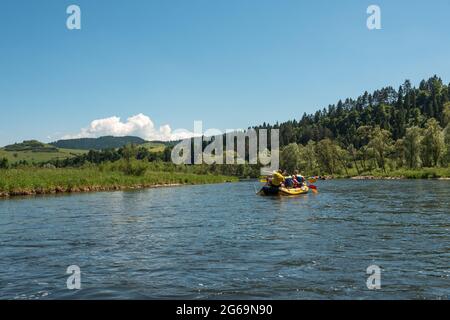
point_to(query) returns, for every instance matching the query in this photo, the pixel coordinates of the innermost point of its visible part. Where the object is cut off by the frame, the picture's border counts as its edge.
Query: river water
(223, 242)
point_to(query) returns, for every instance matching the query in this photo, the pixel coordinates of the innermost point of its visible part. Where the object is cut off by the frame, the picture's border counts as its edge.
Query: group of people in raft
(281, 178)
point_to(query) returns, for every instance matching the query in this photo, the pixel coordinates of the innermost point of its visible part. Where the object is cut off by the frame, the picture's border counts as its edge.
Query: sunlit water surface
(223, 242)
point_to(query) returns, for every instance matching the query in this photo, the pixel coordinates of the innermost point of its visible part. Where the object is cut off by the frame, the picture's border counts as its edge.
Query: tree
(142, 153)
(446, 114)
(380, 142)
(343, 158)
(354, 156)
(447, 145)
(412, 144)
(327, 156)
(433, 144)
(364, 133)
(308, 154)
(290, 157)
(399, 153)
(167, 154)
(4, 163)
(128, 152)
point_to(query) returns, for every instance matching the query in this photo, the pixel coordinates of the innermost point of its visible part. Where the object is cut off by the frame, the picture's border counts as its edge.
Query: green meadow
(30, 169)
(36, 152)
(39, 157)
(30, 181)
(153, 146)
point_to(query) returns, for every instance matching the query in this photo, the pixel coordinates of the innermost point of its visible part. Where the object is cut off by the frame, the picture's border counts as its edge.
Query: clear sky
(231, 64)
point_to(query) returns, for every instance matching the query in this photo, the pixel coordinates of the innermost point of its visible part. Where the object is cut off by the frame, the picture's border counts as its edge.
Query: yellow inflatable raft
(282, 191)
(293, 191)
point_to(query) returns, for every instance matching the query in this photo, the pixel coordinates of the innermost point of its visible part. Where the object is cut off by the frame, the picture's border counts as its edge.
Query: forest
(383, 131)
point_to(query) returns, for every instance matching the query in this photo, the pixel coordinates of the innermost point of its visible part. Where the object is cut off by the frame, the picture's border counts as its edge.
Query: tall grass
(91, 178)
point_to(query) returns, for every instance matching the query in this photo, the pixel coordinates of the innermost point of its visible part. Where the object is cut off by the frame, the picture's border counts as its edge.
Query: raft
(274, 191)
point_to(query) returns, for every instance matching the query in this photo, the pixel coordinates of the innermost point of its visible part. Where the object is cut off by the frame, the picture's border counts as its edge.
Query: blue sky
(231, 63)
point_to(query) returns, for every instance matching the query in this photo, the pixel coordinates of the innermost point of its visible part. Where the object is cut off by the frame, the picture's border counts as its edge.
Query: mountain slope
(107, 142)
(33, 151)
(30, 145)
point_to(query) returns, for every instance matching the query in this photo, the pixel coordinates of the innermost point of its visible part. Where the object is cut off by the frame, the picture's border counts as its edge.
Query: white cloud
(139, 125)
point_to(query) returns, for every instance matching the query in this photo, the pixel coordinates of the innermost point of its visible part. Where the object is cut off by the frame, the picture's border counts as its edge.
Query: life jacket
(289, 182)
(277, 179)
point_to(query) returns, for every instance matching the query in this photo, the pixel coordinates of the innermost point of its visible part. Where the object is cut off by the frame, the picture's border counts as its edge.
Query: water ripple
(223, 242)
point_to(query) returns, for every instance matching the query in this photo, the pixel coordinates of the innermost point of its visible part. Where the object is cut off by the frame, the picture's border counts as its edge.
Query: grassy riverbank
(30, 181)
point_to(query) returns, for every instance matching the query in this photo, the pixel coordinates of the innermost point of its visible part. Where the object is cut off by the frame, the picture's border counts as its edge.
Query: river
(224, 242)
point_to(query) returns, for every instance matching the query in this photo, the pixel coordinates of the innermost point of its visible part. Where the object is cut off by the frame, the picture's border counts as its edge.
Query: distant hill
(33, 151)
(30, 145)
(107, 142)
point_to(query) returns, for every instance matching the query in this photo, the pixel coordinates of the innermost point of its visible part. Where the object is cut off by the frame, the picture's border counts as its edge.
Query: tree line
(420, 147)
(388, 129)
(390, 109)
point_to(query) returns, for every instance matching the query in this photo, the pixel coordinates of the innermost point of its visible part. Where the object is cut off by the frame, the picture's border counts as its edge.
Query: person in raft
(288, 180)
(277, 179)
(299, 180)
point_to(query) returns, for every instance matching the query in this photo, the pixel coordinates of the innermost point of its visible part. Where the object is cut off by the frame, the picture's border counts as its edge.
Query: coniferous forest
(387, 130)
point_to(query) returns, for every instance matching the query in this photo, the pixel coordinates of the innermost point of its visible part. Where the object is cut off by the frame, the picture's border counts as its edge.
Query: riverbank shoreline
(377, 178)
(438, 173)
(392, 178)
(62, 190)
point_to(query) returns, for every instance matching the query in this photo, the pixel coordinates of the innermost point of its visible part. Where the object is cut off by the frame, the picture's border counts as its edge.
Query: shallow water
(223, 242)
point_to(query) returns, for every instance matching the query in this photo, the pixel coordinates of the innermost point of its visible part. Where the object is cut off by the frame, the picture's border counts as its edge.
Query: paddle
(256, 190)
(313, 188)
